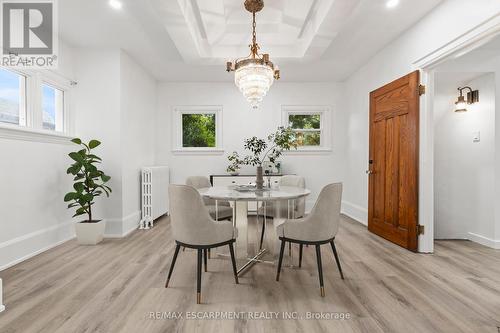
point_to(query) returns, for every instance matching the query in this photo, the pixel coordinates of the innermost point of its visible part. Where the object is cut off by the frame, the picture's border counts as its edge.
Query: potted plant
(283, 139)
(89, 183)
(235, 164)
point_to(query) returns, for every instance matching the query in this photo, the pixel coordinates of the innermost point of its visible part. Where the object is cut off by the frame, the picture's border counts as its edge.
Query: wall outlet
(476, 137)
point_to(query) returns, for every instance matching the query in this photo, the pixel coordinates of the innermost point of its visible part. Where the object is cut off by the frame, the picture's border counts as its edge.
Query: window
(198, 129)
(307, 128)
(52, 108)
(12, 98)
(33, 105)
(311, 125)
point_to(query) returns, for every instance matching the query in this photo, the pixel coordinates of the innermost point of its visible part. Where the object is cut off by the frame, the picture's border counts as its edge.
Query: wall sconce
(461, 103)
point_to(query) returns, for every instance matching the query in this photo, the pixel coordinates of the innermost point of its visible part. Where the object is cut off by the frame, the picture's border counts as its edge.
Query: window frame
(324, 112)
(179, 111)
(33, 129)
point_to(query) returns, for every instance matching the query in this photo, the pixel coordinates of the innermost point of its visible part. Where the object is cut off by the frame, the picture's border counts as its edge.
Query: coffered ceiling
(206, 32)
(190, 40)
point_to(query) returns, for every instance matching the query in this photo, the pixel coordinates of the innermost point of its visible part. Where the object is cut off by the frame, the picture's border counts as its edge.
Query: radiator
(2, 307)
(154, 194)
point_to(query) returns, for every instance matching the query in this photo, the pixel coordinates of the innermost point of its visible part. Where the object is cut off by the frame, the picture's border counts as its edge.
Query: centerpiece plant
(261, 150)
(88, 183)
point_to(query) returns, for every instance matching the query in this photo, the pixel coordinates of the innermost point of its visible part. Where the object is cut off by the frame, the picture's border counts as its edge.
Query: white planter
(90, 233)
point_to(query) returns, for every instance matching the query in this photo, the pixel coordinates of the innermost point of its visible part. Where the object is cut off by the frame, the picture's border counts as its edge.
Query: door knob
(369, 172)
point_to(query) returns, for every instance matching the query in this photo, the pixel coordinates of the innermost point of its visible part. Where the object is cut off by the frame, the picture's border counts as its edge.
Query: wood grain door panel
(393, 183)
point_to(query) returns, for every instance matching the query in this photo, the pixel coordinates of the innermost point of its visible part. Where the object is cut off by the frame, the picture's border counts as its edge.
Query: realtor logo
(28, 33)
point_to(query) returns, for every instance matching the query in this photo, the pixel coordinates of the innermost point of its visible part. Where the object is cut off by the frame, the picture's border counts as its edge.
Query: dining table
(249, 250)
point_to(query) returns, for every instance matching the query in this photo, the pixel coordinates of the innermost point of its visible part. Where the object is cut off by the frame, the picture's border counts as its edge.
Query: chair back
(188, 215)
(296, 181)
(325, 215)
(200, 182)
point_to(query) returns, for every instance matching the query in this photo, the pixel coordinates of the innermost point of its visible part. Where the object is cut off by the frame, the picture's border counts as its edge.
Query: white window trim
(33, 130)
(178, 111)
(325, 126)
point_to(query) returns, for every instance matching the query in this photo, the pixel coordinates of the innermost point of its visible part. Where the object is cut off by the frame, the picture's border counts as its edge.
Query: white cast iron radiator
(2, 307)
(154, 188)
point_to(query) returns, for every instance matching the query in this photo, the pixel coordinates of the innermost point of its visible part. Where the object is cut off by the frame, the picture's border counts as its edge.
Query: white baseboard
(24, 247)
(493, 243)
(355, 212)
(118, 228)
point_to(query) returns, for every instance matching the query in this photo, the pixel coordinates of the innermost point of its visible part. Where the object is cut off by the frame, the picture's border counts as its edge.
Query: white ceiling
(190, 40)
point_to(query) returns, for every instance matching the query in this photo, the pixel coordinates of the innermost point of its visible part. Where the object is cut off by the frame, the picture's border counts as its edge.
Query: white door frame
(461, 45)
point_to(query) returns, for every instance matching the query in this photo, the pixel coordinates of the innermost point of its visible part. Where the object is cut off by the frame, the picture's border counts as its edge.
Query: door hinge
(420, 229)
(421, 89)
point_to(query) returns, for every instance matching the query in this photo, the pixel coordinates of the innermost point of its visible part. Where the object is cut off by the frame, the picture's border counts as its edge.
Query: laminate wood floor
(117, 285)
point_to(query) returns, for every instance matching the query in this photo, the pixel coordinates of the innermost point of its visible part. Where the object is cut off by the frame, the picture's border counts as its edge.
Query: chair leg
(300, 254)
(334, 249)
(262, 232)
(177, 247)
(209, 254)
(320, 270)
(198, 282)
(233, 261)
(280, 261)
(205, 258)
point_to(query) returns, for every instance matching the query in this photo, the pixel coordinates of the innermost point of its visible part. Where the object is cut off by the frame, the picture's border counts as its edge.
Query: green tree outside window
(307, 128)
(198, 130)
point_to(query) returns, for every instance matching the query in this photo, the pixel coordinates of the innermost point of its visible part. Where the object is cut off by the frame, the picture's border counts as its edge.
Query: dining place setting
(250, 221)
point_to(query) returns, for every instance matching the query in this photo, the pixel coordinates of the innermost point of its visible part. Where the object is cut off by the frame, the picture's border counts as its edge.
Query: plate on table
(248, 188)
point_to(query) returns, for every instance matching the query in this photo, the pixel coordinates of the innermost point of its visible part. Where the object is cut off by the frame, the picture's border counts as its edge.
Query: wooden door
(393, 161)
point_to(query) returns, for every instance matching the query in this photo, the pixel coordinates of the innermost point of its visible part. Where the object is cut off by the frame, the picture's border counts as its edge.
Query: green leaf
(105, 178)
(79, 177)
(76, 156)
(88, 197)
(77, 141)
(94, 157)
(79, 187)
(70, 196)
(94, 143)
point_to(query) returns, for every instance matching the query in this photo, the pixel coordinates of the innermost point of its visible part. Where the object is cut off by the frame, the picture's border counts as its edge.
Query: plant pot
(90, 233)
(259, 182)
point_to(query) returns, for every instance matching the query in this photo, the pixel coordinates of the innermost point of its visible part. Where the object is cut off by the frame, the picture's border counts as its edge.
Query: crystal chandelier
(254, 74)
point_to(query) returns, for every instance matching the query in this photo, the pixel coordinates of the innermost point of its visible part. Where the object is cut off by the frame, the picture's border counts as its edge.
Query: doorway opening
(464, 145)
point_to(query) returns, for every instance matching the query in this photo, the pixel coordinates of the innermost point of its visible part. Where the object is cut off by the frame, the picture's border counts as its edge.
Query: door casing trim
(472, 39)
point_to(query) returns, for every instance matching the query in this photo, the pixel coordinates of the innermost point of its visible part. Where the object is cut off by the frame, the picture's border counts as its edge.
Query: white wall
(97, 116)
(394, 61)
(240, 122)
(464, 171)
(116, 102)
(138, 114)
(33, 216)
(485, 59)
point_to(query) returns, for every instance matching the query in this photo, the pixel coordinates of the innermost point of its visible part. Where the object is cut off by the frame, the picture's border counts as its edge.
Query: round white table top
(229, 193)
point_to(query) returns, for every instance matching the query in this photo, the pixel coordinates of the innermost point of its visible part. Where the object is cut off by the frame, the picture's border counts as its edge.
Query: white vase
(90, 233)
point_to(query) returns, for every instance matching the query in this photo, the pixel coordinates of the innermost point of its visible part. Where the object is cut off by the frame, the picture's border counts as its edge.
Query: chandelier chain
(254, 46)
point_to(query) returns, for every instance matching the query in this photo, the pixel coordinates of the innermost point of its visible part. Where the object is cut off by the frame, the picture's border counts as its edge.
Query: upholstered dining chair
(220, 211)
(318, 228)
(193, 227)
